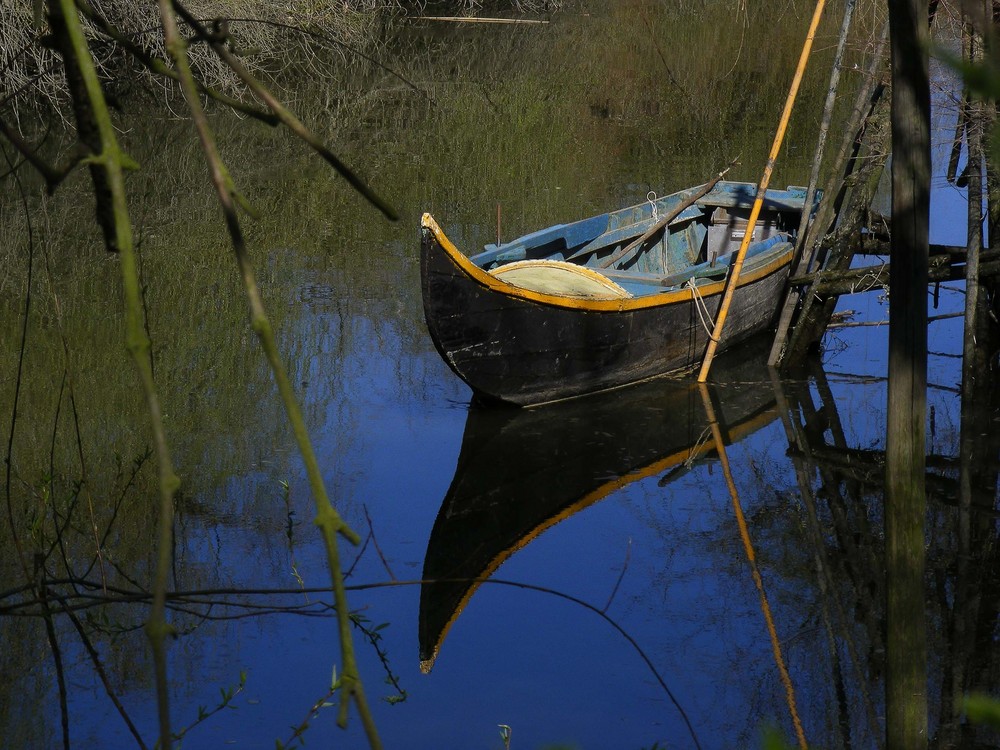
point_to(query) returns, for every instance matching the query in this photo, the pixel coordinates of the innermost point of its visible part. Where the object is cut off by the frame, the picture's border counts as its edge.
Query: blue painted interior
(665, 262)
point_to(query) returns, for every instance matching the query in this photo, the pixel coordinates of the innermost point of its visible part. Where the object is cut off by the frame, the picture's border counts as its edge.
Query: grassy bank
(269, 37)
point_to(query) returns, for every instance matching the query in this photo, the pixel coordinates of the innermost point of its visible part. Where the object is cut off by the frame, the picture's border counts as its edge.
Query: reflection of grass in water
(553, 124)
(579, 117)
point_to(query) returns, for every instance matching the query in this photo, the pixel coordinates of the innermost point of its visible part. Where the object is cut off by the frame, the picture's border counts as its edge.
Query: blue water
(660, 557)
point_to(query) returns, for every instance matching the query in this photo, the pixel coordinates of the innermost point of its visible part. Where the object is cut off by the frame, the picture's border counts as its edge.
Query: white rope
(651, 199)
(876, 280)
(700, 306)
(695, 452)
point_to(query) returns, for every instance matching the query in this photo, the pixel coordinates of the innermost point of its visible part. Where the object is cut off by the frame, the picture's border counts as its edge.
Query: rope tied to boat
(651, 199)
(702, 308)
(699, 447)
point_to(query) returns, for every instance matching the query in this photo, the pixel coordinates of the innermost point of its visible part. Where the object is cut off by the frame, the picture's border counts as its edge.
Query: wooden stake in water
(906, 713)
(802, 256)
(737, 267)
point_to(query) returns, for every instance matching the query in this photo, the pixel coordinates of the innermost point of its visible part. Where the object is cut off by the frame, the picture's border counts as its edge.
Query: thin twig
(350, 571)
(53, 176)
(124, 596)
(95, 659)
(9, 457)
(621, 575)
(83, 486)
(50, 632)
(371, 529)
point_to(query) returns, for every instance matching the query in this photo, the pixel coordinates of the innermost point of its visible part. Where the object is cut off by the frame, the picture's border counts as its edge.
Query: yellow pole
(734, 277)
(741, 522)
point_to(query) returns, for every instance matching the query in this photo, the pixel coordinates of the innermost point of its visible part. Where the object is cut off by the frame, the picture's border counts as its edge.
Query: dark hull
(523, 351)
(521, 471)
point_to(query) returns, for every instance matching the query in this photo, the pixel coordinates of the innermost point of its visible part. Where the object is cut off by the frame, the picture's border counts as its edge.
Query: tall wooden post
(906, 640)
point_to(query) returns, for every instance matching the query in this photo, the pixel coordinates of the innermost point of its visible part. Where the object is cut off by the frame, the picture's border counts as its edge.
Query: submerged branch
(22, 348)
(206, 597)
(52, 175)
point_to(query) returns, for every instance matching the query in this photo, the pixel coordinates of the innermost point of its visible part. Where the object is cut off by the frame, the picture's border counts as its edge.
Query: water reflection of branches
(842, 487)
(96, 136)
(86, 597)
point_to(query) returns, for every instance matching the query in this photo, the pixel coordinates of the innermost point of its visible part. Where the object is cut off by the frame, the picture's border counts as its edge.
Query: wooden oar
(737, 266)
(660, 224)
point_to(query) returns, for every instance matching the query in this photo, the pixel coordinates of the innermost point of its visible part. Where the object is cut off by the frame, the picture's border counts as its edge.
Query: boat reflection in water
(520, 471)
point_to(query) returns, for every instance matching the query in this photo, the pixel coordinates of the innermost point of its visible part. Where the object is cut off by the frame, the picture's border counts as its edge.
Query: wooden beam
(855, 280)
(662, 222)
(846, 166)
(803, 253)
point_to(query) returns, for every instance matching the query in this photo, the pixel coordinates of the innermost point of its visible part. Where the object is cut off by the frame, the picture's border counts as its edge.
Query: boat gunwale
(660, 299)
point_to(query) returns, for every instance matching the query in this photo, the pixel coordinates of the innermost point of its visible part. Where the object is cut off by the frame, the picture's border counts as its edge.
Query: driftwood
(471, 19)
(943, 266)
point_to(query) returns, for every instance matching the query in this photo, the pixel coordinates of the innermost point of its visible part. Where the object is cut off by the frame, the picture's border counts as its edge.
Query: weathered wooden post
(975, 372)
(906, 640)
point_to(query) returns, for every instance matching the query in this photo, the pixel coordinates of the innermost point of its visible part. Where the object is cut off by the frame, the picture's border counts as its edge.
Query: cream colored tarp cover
(560, 278)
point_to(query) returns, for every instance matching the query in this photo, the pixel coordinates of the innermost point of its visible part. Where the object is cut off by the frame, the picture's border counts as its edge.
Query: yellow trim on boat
(595, 305)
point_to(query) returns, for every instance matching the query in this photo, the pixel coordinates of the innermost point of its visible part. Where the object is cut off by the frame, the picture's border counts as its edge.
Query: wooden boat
(583, 307)
(521, 471)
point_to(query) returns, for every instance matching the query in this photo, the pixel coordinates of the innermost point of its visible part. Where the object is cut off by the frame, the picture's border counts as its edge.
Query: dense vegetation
(268, 36)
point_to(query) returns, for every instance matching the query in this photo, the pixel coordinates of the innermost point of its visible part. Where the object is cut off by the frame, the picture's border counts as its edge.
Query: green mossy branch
(110, 161)
(327, 519)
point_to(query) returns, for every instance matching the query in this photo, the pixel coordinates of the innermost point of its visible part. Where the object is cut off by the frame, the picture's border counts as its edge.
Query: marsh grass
(274, 40)
(267, 37)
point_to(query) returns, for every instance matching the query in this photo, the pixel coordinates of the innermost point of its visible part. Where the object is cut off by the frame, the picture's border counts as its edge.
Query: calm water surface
(625, 608)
